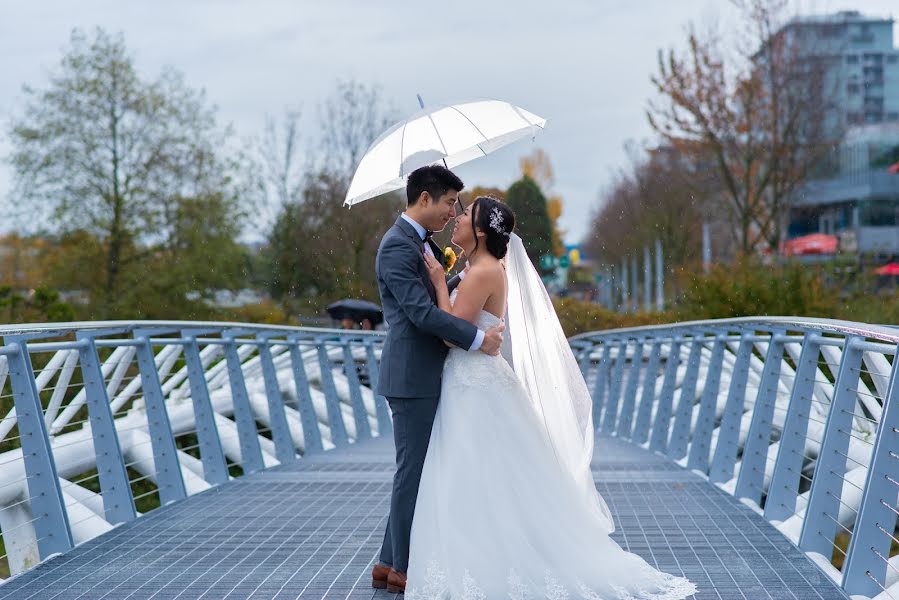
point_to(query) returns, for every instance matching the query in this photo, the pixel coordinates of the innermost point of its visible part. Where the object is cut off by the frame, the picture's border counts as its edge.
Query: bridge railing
(102, 422)
(798, 418)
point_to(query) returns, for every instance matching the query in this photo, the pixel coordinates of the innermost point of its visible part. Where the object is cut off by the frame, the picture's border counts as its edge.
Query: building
(855, 197)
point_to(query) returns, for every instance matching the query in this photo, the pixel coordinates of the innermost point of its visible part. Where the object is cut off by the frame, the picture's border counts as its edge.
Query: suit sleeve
(453, 283)
(399, 271)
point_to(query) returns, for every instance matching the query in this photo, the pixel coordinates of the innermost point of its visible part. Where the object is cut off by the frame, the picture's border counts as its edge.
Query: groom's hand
(493, 338)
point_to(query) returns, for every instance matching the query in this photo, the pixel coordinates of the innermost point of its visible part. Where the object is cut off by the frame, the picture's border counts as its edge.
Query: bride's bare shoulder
(486, 271)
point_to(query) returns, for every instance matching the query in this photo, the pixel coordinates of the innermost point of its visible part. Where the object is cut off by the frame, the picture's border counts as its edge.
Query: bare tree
(281, 156)
(352, 117)
(755, 114)
(320, 250)
(655, 197)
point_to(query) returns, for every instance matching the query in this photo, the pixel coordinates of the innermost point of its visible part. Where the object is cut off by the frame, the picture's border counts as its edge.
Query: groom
(414, 352)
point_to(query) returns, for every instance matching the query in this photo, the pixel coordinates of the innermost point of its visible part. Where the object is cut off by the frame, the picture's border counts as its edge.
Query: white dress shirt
(422, 232)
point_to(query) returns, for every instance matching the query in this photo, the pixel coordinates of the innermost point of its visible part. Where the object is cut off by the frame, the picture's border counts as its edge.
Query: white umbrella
(444, 133)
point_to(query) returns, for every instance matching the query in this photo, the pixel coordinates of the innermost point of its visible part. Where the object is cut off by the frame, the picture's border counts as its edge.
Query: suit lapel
(410, 232)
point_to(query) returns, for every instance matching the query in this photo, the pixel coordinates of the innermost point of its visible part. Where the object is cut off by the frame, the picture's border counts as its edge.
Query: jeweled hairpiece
(496, 221)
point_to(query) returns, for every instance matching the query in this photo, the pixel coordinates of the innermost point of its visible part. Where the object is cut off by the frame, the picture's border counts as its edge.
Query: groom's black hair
(436, 180)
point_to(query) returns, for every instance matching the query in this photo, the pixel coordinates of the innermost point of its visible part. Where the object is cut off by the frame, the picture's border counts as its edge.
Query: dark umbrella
(356, 310)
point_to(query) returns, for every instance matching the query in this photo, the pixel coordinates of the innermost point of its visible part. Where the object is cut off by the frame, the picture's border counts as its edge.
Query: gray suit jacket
(414, 352)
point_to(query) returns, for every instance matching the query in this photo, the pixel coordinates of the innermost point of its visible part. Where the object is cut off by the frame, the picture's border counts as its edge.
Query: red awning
(816, 243)
(888, 269)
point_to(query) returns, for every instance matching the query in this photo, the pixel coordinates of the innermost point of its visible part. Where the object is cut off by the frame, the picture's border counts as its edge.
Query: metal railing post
(51, 523)
(284, 448)
(658, 440)
(725, 456)
(312, 435)
(169, 480)
(601, 385)
(250, 451)
(611, 414)
(680, 433)
(819, 526)
(360, 414)
(335, 417)
(783, 490)
(215, 468)
(700, 449)
(626, 418)
(385, 421)
(118, 503)
(644, 412)
(866, 568)
(758, 440)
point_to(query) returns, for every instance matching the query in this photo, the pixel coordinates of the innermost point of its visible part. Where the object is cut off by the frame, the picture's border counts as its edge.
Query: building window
(893, 116)
(893, 58)
(879, 213)
(852, 59)
(852, 88)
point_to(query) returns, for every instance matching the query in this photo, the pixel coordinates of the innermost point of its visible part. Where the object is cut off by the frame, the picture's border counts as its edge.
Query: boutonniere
(449, 258)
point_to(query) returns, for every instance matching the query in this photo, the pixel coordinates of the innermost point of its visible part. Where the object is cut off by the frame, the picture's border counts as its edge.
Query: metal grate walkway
(313, 528)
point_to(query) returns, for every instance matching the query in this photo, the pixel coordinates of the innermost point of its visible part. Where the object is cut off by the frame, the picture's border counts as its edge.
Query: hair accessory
(496, 221)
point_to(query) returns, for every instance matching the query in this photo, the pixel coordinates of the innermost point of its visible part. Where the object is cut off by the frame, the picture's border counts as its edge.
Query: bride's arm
(472, 292)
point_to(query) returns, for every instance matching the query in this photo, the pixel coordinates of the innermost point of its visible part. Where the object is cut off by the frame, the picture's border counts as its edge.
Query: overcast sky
(584, 65)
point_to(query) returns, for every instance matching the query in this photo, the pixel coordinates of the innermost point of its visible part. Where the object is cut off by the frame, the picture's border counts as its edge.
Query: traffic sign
(547, 262)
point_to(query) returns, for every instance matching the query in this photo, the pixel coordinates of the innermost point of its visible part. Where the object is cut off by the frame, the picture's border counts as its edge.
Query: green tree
(532, 220)
(125, 159)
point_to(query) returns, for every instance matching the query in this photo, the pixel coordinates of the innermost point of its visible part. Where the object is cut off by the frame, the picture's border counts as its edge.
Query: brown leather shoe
(396, 582)
(379, 575)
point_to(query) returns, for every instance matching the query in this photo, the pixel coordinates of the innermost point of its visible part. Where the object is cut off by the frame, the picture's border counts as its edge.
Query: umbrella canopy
(888, 269)
(447, 133)
(816, 243)
(356, 310)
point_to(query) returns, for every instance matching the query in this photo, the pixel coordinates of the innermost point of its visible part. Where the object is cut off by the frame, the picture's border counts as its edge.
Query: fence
(103, 422)
(795, 417)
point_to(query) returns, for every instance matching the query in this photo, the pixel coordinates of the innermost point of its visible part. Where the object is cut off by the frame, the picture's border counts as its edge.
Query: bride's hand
(435, 270)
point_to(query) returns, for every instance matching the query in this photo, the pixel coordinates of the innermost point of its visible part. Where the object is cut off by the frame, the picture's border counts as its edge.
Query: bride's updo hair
(496, 220)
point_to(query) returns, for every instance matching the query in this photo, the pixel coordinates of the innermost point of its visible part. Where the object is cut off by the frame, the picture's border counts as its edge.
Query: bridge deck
(312, 530)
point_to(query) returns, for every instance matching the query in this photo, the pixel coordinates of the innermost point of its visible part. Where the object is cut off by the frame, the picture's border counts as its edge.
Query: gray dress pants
(412, 422)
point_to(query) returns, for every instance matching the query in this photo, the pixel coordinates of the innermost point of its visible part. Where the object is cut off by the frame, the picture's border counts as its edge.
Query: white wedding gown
(496, 517)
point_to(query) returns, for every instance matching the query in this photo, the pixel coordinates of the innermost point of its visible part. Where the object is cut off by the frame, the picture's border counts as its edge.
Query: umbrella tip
(421, 102)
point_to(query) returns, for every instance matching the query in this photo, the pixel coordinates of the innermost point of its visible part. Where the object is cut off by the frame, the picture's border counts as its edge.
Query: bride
(507, 506)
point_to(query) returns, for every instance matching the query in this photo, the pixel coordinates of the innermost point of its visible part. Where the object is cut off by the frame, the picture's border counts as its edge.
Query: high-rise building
(862, 59)
(855, 197)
